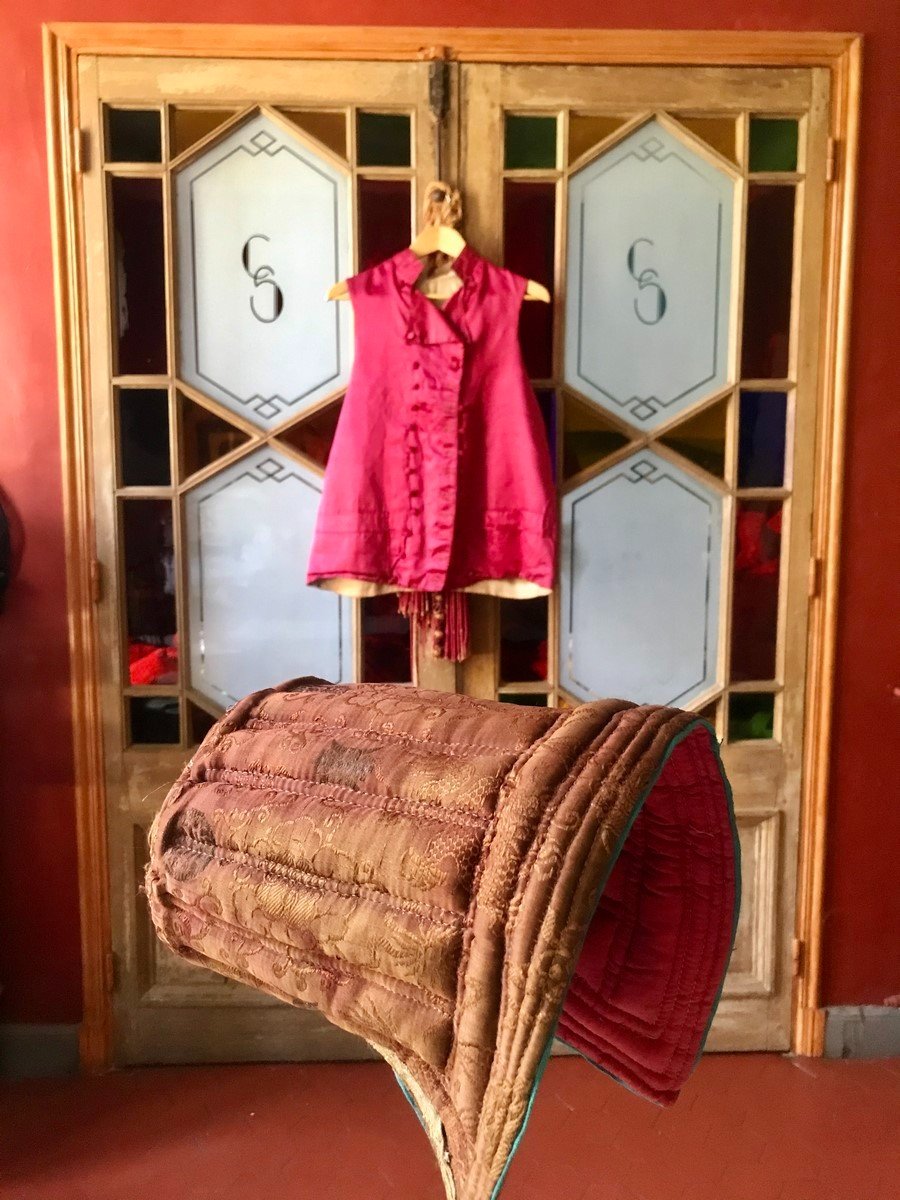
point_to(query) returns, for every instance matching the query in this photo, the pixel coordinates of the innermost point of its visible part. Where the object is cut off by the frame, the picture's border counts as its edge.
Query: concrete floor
(747, 1127)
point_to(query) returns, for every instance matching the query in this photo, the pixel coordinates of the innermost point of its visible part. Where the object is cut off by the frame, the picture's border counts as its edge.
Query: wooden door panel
(762, 135)
(166, 1011)
(180, 450)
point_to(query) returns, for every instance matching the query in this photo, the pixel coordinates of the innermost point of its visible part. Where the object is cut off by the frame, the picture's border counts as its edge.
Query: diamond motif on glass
(263, 141)
(652, 147)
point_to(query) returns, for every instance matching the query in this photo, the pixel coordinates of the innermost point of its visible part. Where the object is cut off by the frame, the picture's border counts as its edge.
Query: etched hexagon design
(263, 230)
(253, 621)
(649, 276)
(639, 584)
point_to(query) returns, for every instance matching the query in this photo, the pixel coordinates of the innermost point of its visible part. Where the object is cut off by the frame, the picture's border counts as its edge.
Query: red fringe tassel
(444, 617)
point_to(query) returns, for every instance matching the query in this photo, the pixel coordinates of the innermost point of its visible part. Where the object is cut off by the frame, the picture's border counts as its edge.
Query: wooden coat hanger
(443, 210)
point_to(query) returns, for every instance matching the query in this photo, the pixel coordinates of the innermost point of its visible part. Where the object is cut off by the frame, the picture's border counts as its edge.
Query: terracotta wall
(39, 967)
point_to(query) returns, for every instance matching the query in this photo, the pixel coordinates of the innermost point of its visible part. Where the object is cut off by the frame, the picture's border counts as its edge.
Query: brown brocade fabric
(425, 869)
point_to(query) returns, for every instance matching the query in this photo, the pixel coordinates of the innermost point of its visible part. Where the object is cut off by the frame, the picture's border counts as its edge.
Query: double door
(676, 217)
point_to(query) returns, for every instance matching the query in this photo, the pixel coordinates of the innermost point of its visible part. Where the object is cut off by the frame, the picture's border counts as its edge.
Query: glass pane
(263, 232)
(383, 140)
(149, 562)
(718, 132)
(649, 277)
(639, 584)
(773, 144)
(547, 404)
(761, 439)
(530, 142)
(253, 620)
(139, 273)
(153, 720)
(767, 282)
(189, 125)
(710, 712)
(133, 135)
(754, 616)
(330, 128)
(701, 438)
(751, 716)
(205, 436)
(313, 437)
(588, 436)
(529, 231)
(385, 641)
(384, 218)
(523, 640)
(587, 131)
(533, 699)
(144, 437)
(199, 723)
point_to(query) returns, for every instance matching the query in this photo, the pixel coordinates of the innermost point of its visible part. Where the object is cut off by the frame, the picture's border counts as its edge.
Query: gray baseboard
(862, 1031)
(41, 1051)
(38, 1051)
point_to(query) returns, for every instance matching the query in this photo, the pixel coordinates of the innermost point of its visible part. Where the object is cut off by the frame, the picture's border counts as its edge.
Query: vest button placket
(444, 440)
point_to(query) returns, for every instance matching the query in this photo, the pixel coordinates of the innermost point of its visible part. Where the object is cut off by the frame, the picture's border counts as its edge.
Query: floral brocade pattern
(422, 868)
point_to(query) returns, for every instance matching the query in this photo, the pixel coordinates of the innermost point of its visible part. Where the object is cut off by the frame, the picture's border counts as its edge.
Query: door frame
(64, 43)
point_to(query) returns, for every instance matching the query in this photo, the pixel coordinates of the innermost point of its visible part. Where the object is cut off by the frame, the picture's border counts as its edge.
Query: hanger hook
(443, 204)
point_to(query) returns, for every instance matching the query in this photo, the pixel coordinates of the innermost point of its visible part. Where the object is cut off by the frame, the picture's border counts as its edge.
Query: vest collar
(409, 266)
(427, 324)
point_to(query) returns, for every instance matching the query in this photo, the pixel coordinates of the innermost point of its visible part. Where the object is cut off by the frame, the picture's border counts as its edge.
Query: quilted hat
(457, 881)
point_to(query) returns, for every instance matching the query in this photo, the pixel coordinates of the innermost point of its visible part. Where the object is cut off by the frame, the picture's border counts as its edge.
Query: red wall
(39, 969)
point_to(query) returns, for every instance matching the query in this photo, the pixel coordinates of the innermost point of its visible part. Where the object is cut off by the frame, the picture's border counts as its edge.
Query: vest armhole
(355, 288)
(519, 285)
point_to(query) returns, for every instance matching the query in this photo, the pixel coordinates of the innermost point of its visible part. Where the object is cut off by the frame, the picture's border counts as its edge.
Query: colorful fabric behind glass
(757, 565)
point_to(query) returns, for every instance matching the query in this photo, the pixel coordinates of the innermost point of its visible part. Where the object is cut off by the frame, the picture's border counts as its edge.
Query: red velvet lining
(650, 971)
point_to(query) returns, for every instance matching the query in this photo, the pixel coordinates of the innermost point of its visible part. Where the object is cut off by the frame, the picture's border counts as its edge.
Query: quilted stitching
(428, 871)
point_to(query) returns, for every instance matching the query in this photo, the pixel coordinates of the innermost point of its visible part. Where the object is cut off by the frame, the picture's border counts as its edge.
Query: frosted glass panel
(253, 620)
(649, 277)
(641, 552)
(263, 231)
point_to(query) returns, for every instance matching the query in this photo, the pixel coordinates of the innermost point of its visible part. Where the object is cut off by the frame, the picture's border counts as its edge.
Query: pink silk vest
(439, 476)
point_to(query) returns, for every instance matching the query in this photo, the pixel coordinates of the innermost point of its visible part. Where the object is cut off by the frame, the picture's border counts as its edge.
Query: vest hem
(516, 588)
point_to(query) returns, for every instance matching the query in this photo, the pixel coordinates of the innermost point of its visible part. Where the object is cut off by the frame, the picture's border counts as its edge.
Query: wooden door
(221, 199)
(678, 217)
(218, 192)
